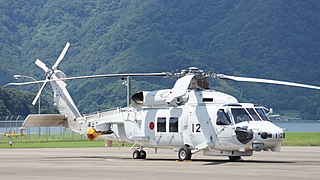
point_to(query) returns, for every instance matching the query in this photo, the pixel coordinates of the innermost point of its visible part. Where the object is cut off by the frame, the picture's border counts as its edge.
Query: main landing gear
(184, 153)
(139, 154)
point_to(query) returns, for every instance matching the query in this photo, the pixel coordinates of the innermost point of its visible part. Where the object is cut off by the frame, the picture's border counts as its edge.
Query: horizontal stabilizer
(34, 120)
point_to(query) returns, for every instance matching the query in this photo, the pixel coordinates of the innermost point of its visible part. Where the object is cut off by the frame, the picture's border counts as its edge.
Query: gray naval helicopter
(187, 118)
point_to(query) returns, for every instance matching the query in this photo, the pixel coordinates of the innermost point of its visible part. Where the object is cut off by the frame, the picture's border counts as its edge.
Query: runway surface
(115, 163)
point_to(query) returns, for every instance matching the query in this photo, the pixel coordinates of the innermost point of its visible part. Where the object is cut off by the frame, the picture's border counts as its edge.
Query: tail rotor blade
(41, 65)
(39, 93)
(64, 51)
(268, 81)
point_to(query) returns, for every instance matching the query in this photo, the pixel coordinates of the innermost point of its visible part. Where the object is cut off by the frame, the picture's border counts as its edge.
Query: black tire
(235, 158)
(143, 154)
(136, 154)
(184, 153)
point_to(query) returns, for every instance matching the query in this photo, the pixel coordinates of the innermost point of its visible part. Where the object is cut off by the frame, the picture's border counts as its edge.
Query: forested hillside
(267, 39)
(15, 102)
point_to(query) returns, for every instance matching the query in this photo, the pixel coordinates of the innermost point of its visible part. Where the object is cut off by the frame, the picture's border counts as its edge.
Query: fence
(11, 131)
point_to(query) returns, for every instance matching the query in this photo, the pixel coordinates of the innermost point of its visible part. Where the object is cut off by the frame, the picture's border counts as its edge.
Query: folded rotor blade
(64, 51)
(268, 81)
(41, 65)
(180, 88)
(39, 93)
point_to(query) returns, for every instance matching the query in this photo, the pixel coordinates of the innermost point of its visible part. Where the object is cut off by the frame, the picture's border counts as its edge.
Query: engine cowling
(155, 98)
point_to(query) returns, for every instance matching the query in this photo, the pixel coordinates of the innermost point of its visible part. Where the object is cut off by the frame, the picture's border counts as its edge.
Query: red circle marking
(151, 125)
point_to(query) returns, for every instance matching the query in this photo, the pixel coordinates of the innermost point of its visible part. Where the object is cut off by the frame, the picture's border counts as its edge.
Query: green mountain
(267, 39)
(15, 102)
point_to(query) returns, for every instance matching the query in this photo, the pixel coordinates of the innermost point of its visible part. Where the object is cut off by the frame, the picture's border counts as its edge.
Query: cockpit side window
(240, 115)
(222, 118)
(253, 114)
(262, 114)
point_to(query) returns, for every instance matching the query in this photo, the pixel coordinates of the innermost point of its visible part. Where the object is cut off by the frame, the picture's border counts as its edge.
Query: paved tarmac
(115, 163)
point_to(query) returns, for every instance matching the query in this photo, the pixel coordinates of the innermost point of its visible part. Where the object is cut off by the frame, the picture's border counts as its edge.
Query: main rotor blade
(268, 81)
(116, 75)
(91, 77)
(64, 51)
(23, 83)
(41, 65)
(39, 93)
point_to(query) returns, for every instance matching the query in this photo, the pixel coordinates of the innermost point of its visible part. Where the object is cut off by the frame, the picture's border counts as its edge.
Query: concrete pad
(115, 163)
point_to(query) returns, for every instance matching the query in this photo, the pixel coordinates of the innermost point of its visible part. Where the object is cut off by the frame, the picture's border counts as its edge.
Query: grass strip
(302, 139)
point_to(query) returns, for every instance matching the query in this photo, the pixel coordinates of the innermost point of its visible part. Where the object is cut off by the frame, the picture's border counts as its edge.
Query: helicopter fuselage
(188, 117)
(207, 121)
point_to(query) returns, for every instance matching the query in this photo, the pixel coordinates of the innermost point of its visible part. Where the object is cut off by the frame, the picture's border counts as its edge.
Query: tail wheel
(136, 154)
(184, 153)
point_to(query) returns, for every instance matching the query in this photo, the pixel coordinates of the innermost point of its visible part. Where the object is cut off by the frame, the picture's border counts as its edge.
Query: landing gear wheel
(136, 154)
(235, 158)
(143, 154)
(184, 153)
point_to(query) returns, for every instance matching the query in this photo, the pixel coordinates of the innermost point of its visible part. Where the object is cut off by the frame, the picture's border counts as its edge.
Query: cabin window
(173, 124)
(222, 118)
(240, 115)
(161, 124)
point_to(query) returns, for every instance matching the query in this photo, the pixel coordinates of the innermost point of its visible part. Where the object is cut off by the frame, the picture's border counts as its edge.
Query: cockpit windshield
(240, 115)
(262, 114)
(253, 114)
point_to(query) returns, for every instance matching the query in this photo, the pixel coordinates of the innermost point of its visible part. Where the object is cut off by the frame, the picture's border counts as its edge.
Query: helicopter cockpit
(247, 112)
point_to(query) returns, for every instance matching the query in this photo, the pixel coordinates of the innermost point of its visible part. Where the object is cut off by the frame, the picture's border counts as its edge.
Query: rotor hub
(198, 73)
(49, 73)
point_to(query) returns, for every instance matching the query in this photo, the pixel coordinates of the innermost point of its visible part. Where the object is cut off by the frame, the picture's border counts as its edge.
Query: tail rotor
(50, 73)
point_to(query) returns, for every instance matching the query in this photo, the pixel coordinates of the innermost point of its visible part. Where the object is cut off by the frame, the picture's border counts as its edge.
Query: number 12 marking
(196, 128)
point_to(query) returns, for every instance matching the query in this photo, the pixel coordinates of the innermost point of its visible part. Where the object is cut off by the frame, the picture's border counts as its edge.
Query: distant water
(299, 125)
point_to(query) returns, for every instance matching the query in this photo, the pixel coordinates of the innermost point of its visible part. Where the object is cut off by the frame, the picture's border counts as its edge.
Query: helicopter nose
(267, 136)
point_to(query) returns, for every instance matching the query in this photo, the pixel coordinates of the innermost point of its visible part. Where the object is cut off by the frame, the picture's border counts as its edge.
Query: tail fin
(63, 100)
